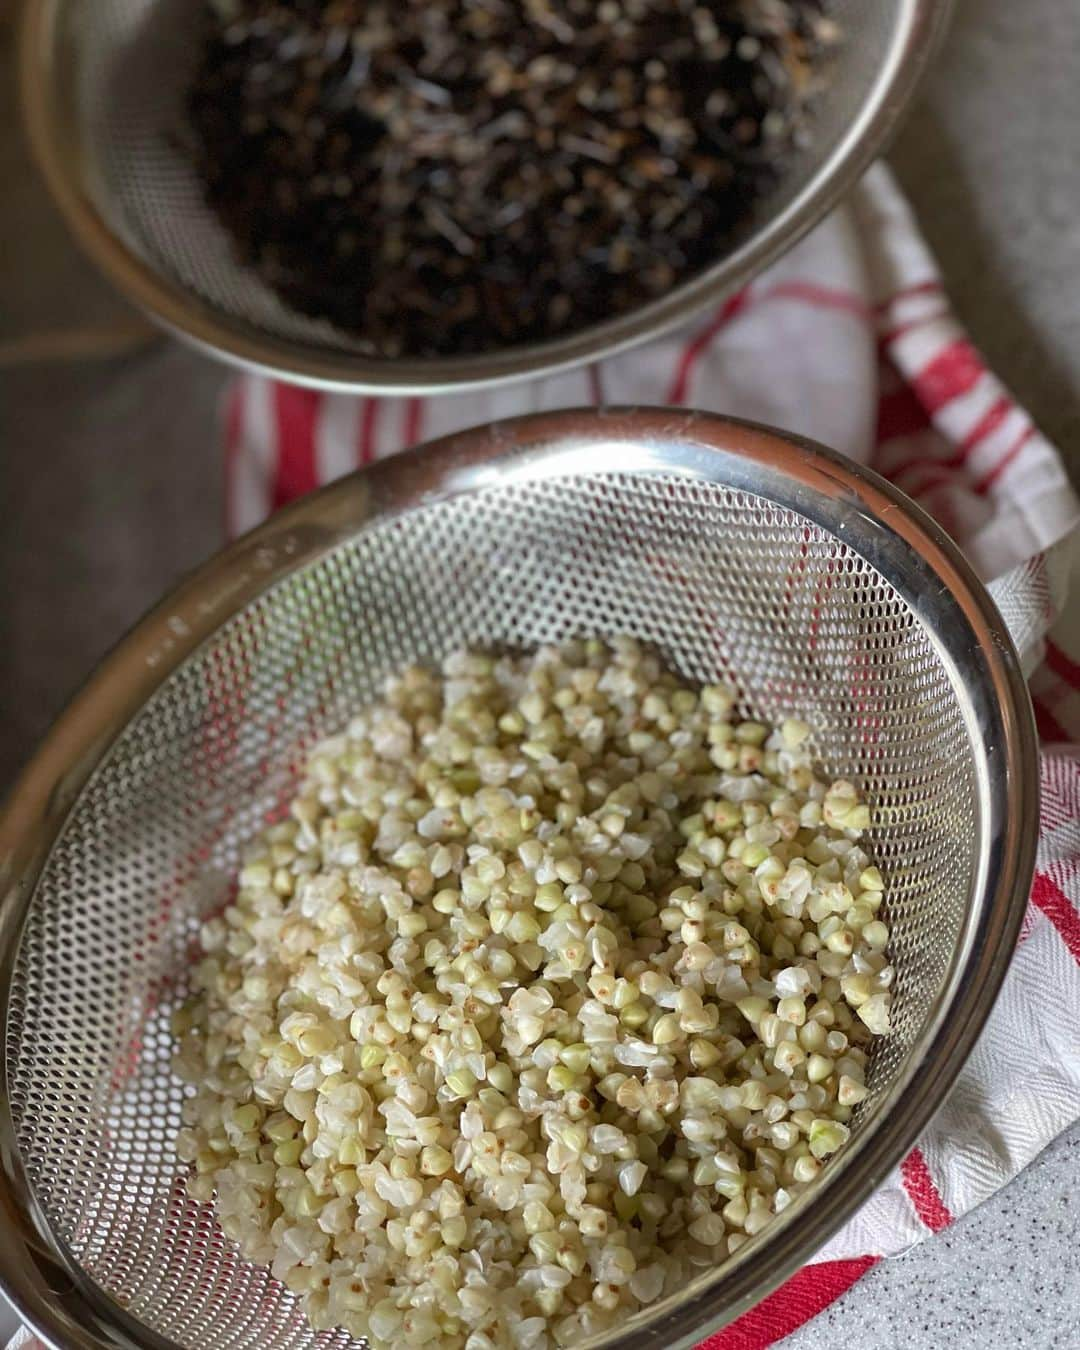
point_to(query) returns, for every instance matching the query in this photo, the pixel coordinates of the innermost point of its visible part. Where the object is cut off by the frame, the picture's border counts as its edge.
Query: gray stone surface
(989, 157)
(110, 479)
(110, 489)
(1005, 1277)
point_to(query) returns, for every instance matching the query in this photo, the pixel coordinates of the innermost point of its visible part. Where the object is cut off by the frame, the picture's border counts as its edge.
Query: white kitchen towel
(848, 339)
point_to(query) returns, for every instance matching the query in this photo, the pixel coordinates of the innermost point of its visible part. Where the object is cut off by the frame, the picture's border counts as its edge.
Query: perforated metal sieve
(104, 86)
(812, 585)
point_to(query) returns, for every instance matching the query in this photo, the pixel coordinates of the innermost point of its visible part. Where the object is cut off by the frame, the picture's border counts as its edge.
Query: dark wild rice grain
(451, 176)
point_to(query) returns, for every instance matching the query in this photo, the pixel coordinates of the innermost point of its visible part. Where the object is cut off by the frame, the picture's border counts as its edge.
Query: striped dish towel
(848, 339)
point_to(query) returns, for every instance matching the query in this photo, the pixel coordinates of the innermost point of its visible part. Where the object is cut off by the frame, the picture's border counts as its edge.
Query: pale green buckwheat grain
(556, 985)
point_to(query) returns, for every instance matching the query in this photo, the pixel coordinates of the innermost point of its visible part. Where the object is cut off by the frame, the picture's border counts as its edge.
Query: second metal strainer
(738, 553)
(104, 87)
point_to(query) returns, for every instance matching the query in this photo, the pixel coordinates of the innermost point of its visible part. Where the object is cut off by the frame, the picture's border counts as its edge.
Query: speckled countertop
(109, 489)
(1006, 1277)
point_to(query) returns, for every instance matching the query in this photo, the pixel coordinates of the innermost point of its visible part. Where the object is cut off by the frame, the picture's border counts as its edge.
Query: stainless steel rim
(48, 1289)
(923, 24)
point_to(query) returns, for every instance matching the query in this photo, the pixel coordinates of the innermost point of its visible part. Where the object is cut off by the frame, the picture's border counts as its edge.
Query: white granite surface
(1006, 1277)
(109, 489)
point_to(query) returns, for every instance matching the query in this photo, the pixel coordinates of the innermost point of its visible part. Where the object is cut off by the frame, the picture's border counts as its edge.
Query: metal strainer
(740, 554)
(104, 86)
